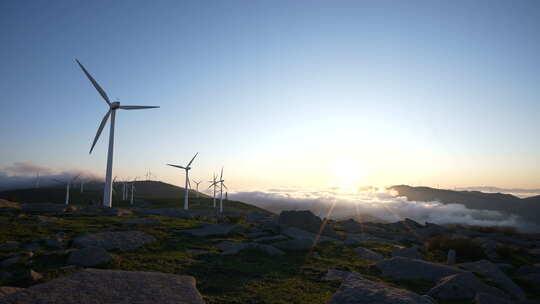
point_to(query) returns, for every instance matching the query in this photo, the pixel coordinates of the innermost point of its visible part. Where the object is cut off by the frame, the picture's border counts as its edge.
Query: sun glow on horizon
(348, 174)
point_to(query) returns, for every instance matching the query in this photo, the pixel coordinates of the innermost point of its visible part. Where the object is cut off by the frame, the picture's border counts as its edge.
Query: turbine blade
(137, 107)
(101, 125)
(192, 159)
(94, 82)
(76, 176)
(221, 177)
(225, 187)
(177, 166)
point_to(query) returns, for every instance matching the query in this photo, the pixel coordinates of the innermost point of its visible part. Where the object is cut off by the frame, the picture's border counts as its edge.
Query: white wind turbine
(213, 183)
(186, 188)
(197, 187)
(113, 106)
(132, 190)
(68, 183)
(221, 183)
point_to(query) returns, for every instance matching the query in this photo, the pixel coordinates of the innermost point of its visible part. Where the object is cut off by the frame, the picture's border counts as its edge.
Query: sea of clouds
(21, 175)
(379, 202)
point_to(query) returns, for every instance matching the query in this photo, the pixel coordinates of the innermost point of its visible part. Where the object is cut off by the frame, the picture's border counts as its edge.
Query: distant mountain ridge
(528, 208)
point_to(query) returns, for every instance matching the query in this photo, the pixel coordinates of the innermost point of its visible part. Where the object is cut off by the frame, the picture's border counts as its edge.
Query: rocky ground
(154, 253)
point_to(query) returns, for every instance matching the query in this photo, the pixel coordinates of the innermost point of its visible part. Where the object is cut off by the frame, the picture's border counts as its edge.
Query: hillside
(528, 208)
(148, 194)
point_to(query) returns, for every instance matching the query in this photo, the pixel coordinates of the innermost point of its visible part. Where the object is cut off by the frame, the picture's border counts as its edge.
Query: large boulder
(410, 252)
(92, 286)
(338, 275)
(142, 222)
(270, 239)
(43, 208)
(125, 240)
(406, 225)
(357, 239)
(215, 230)
(357, 290)
(491, 271)
(430, 230)
(258, 217)
(300, 234)
(170, 212)
(89, 257)
(6, 290)
(299, 244)
(462, 286)
(305, 220)
(368, 254)
(234, 248)
(412, 269)
(486, 298)
(352, 226)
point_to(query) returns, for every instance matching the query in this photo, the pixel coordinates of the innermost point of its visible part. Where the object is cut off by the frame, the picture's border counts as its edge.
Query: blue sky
(281, 93)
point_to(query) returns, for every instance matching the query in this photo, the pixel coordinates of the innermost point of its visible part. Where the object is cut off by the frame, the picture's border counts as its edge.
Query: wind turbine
(213, 183)
(113, 106)
(197, 186)
(37, 180)
(132, 190)
(68, 185)
(221, 183)
(186, 188)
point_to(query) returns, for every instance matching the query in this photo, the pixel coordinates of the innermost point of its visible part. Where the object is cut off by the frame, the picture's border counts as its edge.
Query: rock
(486, 298)
(531, 278)
(9, 245)
(269, 239)
(31, 275)
(300, 234)
(368, 254)
(527, 269)
(9, 205)
(54, 243)
(258, 217)
(357, 290)
(352, 226)
(412, 269)
(215, 229)
(45, 219)
(451, 258)
(10, 261)
(257, 234)
(505, 267)
(411, 253)
(301, 244)
(490, 248)
(142, 222)
(406, 225)
(462, 286)
(491, 271)
(6, 290)
(234, 247)
(305, 220)
(43, 208)
(92, 286)
(89, 257)
(170, 212)
(124, 240)
(339, 275)
(33, 246)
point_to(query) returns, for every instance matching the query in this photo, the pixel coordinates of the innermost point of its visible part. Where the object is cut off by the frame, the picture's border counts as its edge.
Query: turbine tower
(113, 106)
(213, 183)
(186, 188)
(197, 187)
(221, 183)
(68, 185)
(132, 190)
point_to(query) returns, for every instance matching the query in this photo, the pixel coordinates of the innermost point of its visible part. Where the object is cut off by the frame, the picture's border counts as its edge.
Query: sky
(280, 93)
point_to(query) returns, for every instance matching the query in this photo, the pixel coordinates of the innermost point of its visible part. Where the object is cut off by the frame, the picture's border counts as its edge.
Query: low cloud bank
(380, 203)
(23, 175)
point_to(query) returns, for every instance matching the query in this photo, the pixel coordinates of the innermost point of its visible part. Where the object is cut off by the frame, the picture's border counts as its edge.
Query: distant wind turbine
(213, 183)
(113, 106)
(37, 180)
(221, 183)
(132, 190)
(68, 185)
(197, 187)
(186, 188)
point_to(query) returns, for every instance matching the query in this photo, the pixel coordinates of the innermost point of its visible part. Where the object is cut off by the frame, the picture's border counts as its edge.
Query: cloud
(381, 203)
(21, 175)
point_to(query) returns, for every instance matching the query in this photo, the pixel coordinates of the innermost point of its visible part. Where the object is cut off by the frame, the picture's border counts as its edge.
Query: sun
(348, 173)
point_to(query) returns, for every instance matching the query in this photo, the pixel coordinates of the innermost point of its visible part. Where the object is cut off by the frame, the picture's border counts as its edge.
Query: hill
(528, 208)
(151, 194)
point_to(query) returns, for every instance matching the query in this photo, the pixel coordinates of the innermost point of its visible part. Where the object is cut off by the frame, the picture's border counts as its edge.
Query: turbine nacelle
(115, 105)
